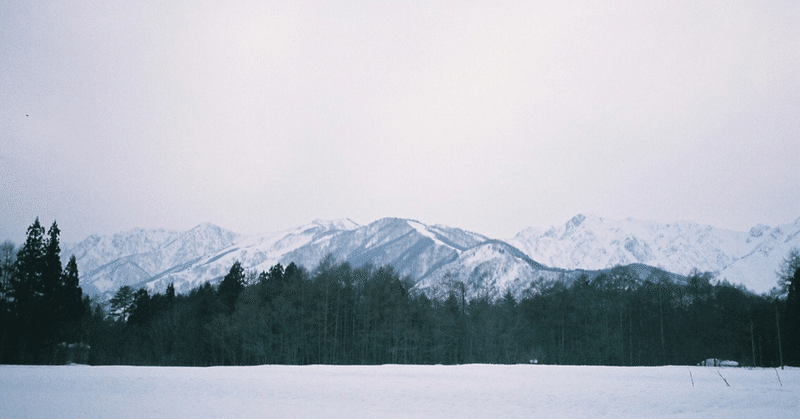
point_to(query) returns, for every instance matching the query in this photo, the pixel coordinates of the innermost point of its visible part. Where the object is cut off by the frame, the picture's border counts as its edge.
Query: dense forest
(340, 314)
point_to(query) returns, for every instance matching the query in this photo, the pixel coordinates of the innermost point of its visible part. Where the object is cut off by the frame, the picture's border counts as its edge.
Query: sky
(488, 116)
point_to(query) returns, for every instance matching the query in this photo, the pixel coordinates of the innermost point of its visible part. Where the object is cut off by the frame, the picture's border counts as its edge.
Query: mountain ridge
(432, 254)
(746, 257)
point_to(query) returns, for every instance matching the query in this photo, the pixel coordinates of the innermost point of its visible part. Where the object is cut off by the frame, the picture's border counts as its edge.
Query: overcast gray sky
(486, 115)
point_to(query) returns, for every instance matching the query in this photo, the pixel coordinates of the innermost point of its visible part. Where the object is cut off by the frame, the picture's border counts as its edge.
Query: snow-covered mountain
(412, 248)
(490, 267)
(108, 262)
(748, 258)
(256, 253)
(434, 255)
(429, 253)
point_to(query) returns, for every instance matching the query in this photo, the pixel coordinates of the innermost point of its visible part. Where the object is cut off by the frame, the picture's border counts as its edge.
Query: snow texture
(394, 391)
(431, 254)
(589, 242)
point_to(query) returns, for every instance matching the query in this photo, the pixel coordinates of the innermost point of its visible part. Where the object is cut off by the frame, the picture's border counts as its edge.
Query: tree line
(340, 314)
(41, 304)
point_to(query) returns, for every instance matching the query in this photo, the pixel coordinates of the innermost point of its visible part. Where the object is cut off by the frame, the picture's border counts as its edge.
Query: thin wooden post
(778, 324)
(752, 342)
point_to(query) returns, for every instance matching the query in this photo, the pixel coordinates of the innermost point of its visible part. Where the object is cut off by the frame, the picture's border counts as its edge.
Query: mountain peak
(206, 226)
(758, 230)
(576, 221)
(429, 252)
(338, 224)
(586, 242)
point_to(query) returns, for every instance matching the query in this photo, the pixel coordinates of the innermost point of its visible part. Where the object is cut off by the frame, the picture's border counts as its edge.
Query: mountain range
(750, 258)
(433, 256)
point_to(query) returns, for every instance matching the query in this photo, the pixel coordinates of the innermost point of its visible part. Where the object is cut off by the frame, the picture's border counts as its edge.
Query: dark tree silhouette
(231, 286)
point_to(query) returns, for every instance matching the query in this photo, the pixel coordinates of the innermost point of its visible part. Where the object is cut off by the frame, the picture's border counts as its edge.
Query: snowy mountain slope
(748, 258)
(431, 255)
(494, 266)
(412, 248)
(258, 253)
(96, 251)
(758, 268)
(435, 254)
(487, 269)
(106, 263)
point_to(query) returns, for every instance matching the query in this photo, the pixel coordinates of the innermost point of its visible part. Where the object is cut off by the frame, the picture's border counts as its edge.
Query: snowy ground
(393, 391)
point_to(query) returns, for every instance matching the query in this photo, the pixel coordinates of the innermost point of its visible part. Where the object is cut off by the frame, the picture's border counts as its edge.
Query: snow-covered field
(394, 391)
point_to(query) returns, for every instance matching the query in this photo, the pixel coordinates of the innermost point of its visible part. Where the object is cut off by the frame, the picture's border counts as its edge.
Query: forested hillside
(431, 253)
(341, 315)
(338, 314)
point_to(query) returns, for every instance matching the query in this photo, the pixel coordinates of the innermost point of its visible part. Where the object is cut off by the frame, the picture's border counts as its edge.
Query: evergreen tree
(170, 296)
(787, 269)
(452, 336)
(28, 295)
(292, 273)
(790, 282)
(71, 307)
(509, 328)
(141, 309)
(52, 285)
(271, 282)
(7, 258)
(27, 282)
(231, 286)
(44, 301)
(122, 303)
(51, 269)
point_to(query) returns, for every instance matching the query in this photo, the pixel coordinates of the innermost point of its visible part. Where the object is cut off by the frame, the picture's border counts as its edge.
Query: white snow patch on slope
(340, 224)
(423, 230)
(587, 242)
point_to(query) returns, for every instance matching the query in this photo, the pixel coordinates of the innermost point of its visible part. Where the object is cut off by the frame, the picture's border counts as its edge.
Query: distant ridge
(749, 258)
(435, 254)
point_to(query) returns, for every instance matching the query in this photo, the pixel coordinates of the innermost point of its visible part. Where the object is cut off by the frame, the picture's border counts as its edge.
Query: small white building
(714, 362)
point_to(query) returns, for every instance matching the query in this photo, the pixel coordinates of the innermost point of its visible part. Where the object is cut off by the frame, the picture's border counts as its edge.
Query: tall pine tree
(28, 296)
(46, 301)
(790, 280)
(7, 258)
(71, 306)
(51, 283)
(231, 286)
